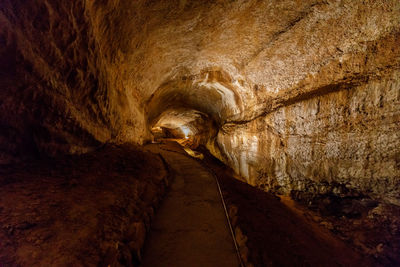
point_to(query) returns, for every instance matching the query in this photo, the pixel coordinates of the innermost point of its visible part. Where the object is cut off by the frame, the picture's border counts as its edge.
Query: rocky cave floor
(96, 209)
(79, 210)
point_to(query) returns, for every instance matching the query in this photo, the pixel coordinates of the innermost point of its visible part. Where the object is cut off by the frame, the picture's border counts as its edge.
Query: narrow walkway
(190, 228)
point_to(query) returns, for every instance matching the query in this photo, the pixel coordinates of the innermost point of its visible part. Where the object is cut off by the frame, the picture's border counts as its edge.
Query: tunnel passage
(194, 107)
(212, 92)
(299, 98)
(191, 127)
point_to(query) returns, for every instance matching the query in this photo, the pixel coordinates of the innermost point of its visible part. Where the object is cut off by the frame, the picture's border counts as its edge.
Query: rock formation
(298, 97)
(302, 93)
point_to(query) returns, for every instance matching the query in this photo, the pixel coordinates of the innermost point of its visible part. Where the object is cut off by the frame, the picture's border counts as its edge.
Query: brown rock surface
(349, 137)
(84, 211)
(298, 97)
(269, 232)
(312, 86)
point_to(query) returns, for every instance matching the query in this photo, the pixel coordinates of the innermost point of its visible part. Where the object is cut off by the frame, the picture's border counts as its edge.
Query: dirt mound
(79, 210)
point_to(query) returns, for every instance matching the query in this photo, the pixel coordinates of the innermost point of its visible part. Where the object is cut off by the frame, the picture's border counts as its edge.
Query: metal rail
(227, 218)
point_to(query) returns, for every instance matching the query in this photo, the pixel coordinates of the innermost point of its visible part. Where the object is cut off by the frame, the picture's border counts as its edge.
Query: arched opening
(212, 92)
(188, 127)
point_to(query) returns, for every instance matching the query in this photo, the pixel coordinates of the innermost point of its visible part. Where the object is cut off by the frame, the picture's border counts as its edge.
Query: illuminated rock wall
(346, 139)
(299, 91)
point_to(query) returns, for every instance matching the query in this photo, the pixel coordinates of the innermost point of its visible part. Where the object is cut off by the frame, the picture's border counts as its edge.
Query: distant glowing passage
(186, 131)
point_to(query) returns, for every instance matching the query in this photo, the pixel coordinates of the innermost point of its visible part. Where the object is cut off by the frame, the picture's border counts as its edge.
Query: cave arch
(213, 92)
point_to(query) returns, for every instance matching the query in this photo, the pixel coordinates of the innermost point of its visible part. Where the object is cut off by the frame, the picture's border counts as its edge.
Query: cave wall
(347, 138)
(60, 81)
(301, 91)
(328, 119)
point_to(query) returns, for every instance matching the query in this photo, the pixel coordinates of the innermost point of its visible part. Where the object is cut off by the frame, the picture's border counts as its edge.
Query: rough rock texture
(329, 111)
(304, 91)
(269, 233)
(350, 137)
(89, 210)
(304, 95)
(190, 126)
(60, 90)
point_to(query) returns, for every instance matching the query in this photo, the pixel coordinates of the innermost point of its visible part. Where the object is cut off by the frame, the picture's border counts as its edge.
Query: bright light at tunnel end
(186, 131)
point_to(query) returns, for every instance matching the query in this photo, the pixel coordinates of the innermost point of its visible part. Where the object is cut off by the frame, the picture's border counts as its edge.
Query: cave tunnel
(200, 133)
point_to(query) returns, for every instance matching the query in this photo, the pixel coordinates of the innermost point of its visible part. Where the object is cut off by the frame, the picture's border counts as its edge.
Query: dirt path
(190, 228)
